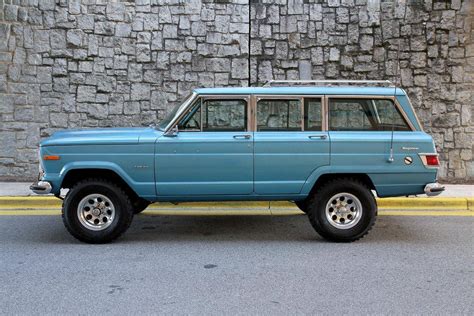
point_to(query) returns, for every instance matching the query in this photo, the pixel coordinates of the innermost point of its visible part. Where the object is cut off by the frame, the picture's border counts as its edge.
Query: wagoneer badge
(408, 160)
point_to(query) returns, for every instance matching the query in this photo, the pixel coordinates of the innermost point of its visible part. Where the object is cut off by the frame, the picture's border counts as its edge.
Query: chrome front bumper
(433, 189)
(41, 187)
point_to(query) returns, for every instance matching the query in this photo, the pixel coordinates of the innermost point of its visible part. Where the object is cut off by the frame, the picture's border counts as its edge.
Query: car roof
(307, 90)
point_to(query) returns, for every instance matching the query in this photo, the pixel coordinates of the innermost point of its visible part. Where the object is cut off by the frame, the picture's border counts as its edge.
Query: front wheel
(342, 210)
(97, 211)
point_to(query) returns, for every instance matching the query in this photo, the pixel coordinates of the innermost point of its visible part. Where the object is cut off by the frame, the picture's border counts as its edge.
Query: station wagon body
(256, 143)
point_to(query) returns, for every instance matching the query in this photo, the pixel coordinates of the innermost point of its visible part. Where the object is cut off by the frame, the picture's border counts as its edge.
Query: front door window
(224, 115)
(216, 115)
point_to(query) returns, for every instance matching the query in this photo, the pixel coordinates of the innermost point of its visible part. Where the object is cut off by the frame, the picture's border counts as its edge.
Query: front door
(212, 153)
(289, 143)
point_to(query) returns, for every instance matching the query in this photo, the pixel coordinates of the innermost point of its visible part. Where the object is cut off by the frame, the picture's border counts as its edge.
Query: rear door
(360, 128)
(289, 142)
(212, 153)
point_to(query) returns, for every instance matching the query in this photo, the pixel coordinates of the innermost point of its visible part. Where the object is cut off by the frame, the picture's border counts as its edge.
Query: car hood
(97, 136)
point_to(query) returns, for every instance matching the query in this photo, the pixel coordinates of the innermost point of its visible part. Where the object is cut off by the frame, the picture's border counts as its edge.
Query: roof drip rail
(384, 83)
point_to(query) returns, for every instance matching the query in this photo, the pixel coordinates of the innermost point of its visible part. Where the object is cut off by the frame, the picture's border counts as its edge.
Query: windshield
(177, 109)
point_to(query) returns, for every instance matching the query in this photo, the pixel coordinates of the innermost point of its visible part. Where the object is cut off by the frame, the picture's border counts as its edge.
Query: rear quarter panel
(369, 152)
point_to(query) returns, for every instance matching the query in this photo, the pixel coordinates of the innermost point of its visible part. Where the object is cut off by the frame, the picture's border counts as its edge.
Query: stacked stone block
(81, 64)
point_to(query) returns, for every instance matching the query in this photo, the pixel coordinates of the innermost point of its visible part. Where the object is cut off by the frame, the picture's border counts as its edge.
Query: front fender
(56, 179)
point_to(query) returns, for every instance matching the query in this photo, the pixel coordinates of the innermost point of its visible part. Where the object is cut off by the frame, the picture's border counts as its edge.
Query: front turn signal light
(51, 157)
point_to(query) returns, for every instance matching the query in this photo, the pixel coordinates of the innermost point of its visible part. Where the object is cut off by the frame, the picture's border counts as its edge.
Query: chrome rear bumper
(41, 187)
(433, 189)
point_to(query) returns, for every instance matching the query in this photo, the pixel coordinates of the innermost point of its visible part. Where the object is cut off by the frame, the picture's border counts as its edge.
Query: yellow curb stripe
(30, 213)
(224, 209)
(458, 204)
(414, 203)
(425, 213)
(281, 212)
(50, 200)
(422, 203)
(244, 207)
(30, 200)
(164, 207)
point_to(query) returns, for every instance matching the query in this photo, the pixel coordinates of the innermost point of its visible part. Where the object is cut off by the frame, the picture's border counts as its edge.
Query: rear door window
(275, 115)
(312, 114)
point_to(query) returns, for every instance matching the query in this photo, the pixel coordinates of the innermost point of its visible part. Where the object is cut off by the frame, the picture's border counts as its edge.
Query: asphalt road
(238, 265)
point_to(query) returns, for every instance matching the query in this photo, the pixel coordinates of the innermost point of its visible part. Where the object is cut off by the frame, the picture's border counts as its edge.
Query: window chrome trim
(178, 115)
(325, 114)
(190, 108)
(301, 113)
(253, 99)
(378, 97)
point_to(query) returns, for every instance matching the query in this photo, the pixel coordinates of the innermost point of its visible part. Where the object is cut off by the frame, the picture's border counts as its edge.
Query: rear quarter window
(358, 114)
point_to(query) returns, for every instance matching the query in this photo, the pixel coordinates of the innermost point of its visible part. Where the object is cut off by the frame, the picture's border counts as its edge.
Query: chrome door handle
(317, 136)
(242, 136)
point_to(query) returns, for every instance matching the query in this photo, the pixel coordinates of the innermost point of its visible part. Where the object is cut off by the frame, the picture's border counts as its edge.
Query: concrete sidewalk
(22, 189)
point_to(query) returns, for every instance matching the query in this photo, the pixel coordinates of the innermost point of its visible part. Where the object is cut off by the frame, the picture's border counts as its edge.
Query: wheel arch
(75, 175)
(326, 177)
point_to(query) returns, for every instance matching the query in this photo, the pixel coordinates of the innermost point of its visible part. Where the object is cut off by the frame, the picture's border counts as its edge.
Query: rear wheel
(97, 211)
(342, 210)
(139, 205)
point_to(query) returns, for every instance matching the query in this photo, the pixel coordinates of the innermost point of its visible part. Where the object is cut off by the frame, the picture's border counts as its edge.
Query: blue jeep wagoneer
(327, 146)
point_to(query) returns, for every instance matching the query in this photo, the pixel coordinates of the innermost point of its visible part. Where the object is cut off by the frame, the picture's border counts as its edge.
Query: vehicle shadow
(293, 228)
(222, 228)
(158, 228)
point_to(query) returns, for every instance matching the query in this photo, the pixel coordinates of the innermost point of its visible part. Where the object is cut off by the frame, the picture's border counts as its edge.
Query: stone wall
(364, 39)
(66, 64)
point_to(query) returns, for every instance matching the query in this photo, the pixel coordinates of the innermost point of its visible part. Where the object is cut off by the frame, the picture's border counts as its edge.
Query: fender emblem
(140, 167)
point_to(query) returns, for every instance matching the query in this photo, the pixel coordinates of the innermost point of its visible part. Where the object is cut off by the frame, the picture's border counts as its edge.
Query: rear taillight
(430, 160)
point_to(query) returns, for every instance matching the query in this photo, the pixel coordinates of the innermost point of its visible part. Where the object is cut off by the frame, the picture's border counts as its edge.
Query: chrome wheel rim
(343, 210)
(96, 212)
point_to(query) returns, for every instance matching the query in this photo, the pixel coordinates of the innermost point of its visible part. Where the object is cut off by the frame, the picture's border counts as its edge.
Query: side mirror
(172, 132)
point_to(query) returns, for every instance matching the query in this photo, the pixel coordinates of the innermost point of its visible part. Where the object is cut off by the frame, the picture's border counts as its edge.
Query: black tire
(123, 212)
(317, 210)
(139, 205)
(302, 205)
